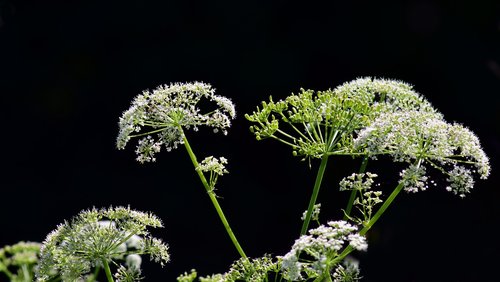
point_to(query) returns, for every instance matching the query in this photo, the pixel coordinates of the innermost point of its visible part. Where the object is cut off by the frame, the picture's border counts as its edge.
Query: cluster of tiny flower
(385, 95)
(357, 181)
(347, 272)
(146, 149)
(96, 237)
(244, 269)
(326, 122)
(132, 272)
(414, 178)
(460, 180)
(425, 138)
(215, 168)
(315, 213)
(18, 261)
(321, 247)
(211, 164)
(366, 200)
(188, 277)
(166, 111)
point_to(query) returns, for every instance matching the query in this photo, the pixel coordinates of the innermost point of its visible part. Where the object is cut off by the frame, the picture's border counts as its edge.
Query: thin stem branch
(314, 196)
(354, 191)
(212, 196)
(372, 221)
(284, 142)
(109, 276)
(7, 272)
(147, 133)
(93, 277)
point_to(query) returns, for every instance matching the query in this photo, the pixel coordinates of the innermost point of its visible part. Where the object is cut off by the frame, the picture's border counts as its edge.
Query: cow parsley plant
(367, 119)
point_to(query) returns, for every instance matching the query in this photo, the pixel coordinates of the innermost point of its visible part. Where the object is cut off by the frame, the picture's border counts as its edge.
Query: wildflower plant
(320, 124)
(365, 119)
(98, 239)
(167, 112)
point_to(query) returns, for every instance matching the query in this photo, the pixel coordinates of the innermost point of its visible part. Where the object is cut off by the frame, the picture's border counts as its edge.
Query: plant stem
(314, 196)
(372, 221)
(93, 277)
(26, 273)
(212, 196)
(354, 191)
(8, 273)
(325, 277)
(107, 270)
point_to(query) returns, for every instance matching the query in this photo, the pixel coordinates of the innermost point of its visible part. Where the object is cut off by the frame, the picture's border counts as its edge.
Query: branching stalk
(372, 221)
(314, 196)
(109, 276)
(212, 196)
(354, 191)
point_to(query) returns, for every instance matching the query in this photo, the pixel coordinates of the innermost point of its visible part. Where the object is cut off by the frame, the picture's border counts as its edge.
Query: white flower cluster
(94, 236)
(325, 122)
(166, 111)
(315, 213)
(385, 95)
(358, 181)
(366, 199)
(347, 272)
(244, 269)
(211, 164)
(215, 168)
(311, 254)
(414, 178)
(425, 138)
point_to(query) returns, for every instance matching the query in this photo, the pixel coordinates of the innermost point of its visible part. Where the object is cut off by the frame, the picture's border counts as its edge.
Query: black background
(68, 69)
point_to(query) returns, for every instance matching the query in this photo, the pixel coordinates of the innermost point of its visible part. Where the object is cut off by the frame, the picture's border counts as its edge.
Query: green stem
(107, 270)
(354, 191)
(314, 196)
(93, 277)
(382, 209)
(372, 221)
(8, 273)
(26, 273)
(212, 196)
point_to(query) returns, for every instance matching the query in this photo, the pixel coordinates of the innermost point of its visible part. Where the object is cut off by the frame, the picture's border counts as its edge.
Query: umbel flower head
(96, 237)
(426, 140)
(311, 255)
(244, 269)
(158, 117)
(321, 123)
(18, 261)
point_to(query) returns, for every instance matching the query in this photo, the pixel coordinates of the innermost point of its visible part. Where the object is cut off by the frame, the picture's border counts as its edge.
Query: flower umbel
(423, 140)
(366, 200)
(96, 237)
(22, 257)
(325, 122)
(312, 254)
(158, 116)
(215, 168)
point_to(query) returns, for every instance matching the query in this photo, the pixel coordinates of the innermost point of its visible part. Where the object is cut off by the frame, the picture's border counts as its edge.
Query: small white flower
(161, 114)
(320, 246)
(212, 164)
(315, 213)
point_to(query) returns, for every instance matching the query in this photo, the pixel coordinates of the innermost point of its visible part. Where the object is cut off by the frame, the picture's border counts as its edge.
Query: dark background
(68, 69)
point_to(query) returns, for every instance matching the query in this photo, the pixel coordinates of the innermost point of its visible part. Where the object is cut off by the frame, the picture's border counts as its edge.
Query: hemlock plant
(366, 119)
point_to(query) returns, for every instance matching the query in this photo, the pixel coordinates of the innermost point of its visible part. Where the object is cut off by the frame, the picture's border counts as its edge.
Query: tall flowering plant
(366, 119)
